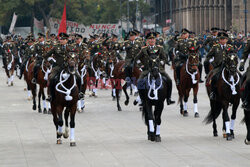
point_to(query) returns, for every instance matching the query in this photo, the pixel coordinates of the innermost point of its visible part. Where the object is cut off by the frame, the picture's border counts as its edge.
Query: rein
(47, 72)
(10, 64)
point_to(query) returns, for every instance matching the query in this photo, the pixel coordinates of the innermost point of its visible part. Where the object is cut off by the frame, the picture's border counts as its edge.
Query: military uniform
(246, 52)
(8, 47)
(218, 52)
(182, 51)
(210, 42)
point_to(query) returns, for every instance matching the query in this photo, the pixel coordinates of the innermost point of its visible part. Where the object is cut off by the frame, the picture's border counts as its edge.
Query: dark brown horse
(228, 92)
(26, 76)
(118, 77)
(66, 97)
(189, 79)
(9, 67)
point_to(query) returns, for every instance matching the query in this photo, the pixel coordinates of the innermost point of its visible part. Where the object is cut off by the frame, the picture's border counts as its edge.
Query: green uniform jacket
(132, 49)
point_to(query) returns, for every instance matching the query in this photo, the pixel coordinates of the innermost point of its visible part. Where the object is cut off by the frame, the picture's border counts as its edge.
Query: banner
(13, 23)
(85, 31)
(38, 26)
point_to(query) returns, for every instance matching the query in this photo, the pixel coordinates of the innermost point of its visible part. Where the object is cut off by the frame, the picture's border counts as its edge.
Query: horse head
(72, 62)
(154, 64)
(231, 61)
(193, 59)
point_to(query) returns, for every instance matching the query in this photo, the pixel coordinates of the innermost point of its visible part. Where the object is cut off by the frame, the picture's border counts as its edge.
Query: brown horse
(9, 67)
(189, 79)
(118, 76)
(66, 96)
(26, 76)
(228, 92)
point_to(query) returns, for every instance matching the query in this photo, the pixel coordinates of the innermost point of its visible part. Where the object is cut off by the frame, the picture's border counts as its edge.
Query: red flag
(63, 25)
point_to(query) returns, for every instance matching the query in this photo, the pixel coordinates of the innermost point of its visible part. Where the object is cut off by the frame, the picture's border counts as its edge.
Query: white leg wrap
(138, 99)
(232, 124)
(60, 129)
(227, 127)
(49, 106)
(12, 78)
(113, 92)
(82, 103)
(151, 126)
(157, 130)
(72, 134)
(95, 90)
(135, 88)
(104, 81)
(44, 104)
(9, 81)
(185, 106)
(195, 107)
(79, 104)
(29, 93)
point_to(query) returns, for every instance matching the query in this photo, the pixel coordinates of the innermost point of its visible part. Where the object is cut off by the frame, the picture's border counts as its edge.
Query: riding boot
(79, 85)
(35, 74)
(21, 71)
(169, 93)
(200, 70)
(127, 75)
(206, 67)
(246, 104)
(178, 69)
(212, 95)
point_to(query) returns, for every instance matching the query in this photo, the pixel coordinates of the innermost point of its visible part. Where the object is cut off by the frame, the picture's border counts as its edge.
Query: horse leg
(215, 132)
(39, 101)
(44, 102)
(117, 92)
(72, 126)
(33, 90)
(233, 117)
(195, 101)
(60, 125)
(66, 117)
(157, 114)
(227, 122)
(185, 112)
(125, 91)
(247, 121)
(181, 104)
(29, 92)
(151, 132)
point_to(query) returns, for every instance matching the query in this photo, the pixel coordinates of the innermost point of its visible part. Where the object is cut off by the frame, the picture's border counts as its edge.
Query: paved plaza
(108, 138)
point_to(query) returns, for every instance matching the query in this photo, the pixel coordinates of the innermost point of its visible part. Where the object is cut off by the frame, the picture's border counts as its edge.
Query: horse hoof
(224, 135)
(181, 112)
(232, 133)
(247, 142)
(45, 111)
(157, 138)
(79, 110)
(39, 110)
(135, 102)
(65, 135)
(185, 113)
(151, 136)
(126, 102)
(59, 141)
(215, 134)
(49, 111)
(25, 89)
(196, 115)
(72, 143)
(119, 109)
(229, 137)
(34, 107)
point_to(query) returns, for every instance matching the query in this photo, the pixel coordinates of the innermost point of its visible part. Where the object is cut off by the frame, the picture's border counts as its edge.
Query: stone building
(201, 15)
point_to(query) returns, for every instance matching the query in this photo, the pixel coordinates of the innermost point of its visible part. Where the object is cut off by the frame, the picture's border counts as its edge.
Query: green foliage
(83, 11)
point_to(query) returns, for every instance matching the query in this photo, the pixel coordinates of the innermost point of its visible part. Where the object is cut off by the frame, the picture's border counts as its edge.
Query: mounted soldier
(60, 53)
(39, 51)
(143, 58)
(215, 56)
(132, 48)
(245, 56)
(181, 49)
(8, 47)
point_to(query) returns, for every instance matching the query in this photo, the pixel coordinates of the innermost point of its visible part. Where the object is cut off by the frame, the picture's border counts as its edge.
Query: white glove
(51, 58)
(138, 61)
(211, 60)
(162, 62)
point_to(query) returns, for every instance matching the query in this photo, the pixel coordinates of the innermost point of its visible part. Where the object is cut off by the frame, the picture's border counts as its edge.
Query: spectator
(238, 45)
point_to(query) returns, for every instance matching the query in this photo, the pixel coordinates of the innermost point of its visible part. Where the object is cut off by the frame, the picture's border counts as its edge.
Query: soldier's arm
(139, 55)
(246, 52)
(49, 53)
(211, 53)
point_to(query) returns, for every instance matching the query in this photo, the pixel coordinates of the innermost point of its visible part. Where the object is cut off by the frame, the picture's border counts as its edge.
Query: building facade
(201, 15)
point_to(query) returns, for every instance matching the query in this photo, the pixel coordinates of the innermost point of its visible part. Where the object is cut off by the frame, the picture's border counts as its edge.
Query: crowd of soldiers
(135, 46)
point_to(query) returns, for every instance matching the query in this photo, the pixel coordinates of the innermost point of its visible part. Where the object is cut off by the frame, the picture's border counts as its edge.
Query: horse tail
(144, 116)
(214, 112)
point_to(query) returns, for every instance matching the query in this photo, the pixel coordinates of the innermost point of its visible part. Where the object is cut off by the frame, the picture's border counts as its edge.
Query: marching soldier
(246, 102)
(132, 48)
(39, 51)
(60, 52)
(143, 56)
(212, 40)
(217, 52)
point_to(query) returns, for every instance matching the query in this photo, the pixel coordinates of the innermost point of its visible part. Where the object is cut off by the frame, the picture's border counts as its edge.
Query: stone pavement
(108, 138)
